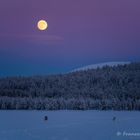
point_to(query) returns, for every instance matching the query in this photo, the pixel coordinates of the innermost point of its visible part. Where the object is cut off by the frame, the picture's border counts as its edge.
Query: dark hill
(104, 88)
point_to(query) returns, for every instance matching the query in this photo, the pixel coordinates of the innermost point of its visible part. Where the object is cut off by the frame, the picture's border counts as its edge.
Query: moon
(42, 25)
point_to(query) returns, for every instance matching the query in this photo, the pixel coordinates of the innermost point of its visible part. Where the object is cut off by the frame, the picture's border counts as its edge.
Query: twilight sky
(80, 32)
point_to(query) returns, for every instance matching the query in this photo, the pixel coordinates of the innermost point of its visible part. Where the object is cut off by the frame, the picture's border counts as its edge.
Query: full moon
(42, 25)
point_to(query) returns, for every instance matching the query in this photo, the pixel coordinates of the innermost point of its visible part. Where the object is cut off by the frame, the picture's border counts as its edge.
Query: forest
(106, 88)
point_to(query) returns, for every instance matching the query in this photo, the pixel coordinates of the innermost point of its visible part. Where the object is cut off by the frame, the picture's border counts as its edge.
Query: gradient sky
(80, 32)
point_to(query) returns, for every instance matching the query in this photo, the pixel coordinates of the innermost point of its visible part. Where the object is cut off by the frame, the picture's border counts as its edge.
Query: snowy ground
(69, 125)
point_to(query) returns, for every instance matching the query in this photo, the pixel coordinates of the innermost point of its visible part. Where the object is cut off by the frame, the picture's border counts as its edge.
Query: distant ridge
(100, 65)
(111, 88)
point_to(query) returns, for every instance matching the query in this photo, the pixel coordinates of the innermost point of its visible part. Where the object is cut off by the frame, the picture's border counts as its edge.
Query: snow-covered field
(69, 125)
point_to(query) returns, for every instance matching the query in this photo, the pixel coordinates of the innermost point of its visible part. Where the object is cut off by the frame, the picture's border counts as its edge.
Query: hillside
(100, 65)
(106, 88)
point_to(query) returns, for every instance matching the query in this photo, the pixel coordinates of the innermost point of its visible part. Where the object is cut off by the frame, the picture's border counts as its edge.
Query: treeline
(106, 88)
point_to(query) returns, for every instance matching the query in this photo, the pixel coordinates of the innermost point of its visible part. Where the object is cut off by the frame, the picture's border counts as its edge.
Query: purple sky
(80, 32)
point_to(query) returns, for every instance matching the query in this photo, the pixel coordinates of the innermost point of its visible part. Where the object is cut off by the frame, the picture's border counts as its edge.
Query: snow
(100, 65)
(68, 125)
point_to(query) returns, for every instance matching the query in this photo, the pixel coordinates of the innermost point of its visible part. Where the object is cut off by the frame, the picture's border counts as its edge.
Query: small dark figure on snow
(46, 118)
(114, 119)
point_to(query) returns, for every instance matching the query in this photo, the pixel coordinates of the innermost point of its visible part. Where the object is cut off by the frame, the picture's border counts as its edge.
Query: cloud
(33, 38)
(44, 39)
